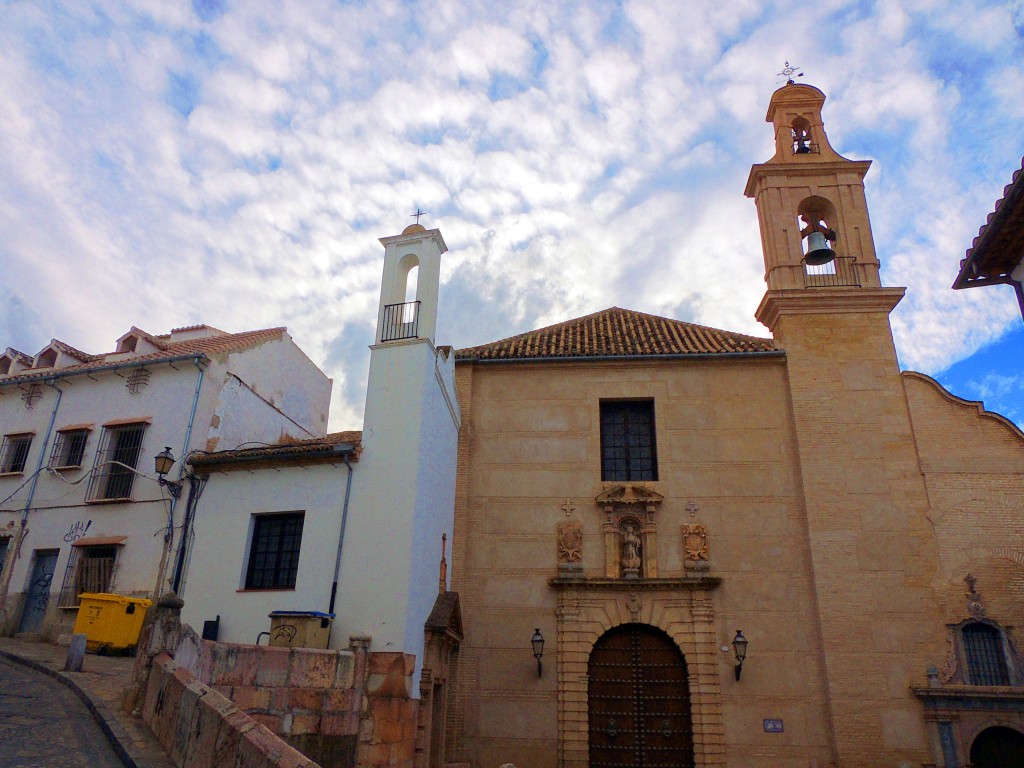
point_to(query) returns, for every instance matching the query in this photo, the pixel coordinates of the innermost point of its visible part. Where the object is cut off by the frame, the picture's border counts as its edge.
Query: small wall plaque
(772, 726)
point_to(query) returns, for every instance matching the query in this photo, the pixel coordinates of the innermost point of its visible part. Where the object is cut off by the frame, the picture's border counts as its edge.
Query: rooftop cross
(418, 214)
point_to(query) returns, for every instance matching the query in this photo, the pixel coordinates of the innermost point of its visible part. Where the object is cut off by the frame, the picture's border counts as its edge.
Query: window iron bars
(69, 449)
(986, 662)
(89, 569)
(401, 321)
(118, 446)
(14, 454)
(628, 450)
(274, 556)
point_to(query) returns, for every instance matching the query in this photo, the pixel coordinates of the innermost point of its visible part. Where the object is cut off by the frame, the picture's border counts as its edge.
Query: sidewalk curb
(101, 714)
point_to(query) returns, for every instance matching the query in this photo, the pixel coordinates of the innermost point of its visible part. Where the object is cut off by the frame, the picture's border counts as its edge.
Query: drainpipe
(341, 540)
(32, 489)
(169, 531)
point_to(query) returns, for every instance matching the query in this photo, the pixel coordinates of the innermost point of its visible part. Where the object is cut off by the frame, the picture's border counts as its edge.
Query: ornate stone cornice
(624, 585)
(628, 494)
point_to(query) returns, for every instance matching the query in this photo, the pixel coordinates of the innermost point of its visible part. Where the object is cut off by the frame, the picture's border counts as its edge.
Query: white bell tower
(403, 487)
(408, 294)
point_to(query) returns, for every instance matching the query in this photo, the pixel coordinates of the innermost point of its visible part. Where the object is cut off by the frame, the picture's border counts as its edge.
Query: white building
(80, 507)
(353, 524)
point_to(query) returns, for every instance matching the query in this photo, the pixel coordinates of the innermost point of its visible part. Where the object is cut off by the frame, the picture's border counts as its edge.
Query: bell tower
(403, 486)
(862, 488)
(408, 294)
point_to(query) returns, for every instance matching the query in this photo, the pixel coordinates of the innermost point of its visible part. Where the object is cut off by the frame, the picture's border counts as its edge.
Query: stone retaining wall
(342, 708)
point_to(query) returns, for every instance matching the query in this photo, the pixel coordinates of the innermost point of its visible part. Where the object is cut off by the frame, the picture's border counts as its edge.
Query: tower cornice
(784, 172)
(416, 236)
(825, 301)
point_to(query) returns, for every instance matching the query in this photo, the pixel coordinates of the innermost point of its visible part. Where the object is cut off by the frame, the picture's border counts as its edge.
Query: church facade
(738, 551)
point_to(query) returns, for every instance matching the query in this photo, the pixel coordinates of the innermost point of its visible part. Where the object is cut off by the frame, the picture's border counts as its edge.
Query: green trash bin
(110, 623)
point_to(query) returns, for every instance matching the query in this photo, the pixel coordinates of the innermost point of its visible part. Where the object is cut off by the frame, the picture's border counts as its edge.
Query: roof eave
(619, 358)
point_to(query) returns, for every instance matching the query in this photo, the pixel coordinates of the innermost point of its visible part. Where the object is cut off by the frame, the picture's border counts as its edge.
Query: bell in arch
(818, 250)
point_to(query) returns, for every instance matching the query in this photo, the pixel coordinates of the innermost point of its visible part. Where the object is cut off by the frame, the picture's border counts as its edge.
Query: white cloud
(158, 169)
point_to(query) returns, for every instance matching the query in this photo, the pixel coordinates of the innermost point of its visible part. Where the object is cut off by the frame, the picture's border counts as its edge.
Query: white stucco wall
(59, 511)
(215, 583)
(402, 499)
(282, 374)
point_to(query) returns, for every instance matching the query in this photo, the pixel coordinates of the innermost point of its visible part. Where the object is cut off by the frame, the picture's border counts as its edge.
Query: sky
(166, 163)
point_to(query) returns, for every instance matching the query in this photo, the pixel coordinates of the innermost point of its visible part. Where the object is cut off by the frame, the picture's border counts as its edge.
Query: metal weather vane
(788, 72)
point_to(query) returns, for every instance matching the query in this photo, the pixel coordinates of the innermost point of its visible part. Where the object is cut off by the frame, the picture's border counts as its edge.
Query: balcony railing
(401, 321)
(841, 271)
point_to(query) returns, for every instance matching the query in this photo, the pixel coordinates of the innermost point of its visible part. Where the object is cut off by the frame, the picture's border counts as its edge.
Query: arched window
(984, 654)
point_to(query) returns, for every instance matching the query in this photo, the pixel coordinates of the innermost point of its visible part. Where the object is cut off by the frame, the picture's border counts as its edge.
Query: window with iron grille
(986, 660)
(90, 569)
(274, 554)
(14, 452)
(117, 456)
(69, 448)
(628, 450)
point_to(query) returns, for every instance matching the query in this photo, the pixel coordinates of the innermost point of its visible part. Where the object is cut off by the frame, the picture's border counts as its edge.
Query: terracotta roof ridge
(85, 357)
(617, 331)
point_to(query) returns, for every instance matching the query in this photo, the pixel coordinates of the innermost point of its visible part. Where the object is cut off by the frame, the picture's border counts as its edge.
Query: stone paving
(100, 683)
(43, 723)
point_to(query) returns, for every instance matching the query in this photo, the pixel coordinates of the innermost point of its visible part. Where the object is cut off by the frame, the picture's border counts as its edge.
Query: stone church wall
(530, 461)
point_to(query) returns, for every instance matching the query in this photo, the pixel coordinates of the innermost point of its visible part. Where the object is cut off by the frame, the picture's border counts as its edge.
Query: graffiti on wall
(77, 531)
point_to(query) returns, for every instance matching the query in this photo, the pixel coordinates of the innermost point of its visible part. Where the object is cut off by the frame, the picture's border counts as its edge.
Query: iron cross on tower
(788, 72)
(418, 214)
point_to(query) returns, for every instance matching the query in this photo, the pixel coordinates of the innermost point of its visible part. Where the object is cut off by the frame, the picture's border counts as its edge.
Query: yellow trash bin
(110, 623)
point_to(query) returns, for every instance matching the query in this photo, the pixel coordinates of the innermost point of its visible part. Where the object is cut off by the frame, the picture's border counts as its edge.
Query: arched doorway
(998, 747)
(639, 701)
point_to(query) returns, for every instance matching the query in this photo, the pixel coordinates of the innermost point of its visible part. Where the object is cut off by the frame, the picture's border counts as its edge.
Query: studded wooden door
(639, 701)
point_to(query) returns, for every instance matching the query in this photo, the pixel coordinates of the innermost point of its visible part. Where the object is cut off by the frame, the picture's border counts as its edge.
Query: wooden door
(639, 701)
(998, 747)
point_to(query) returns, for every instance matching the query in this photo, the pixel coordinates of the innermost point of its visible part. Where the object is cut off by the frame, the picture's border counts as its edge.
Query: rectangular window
(14, 452)
(69, 448)
(627, 440)
(90, 569)
(118, 455)
(4, 544)
(274, 554)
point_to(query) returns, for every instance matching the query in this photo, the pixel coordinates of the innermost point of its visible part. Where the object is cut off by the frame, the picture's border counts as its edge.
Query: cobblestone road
(43, 724)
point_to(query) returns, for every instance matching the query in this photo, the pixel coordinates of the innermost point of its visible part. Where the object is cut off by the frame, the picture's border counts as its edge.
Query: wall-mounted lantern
(739, 647)
(164, 461)
(537, 641)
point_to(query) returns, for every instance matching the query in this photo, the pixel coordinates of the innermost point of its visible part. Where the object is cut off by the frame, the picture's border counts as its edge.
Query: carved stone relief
(570, 548)
(695, 547)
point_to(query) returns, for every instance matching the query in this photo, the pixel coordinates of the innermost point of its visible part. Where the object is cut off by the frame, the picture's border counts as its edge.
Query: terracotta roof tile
(288, 447)
(617, 332)
(999, 245)
(75, 353)
(207, 345)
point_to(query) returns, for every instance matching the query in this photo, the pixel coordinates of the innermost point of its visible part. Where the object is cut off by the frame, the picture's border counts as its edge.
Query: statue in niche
(632, 551)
